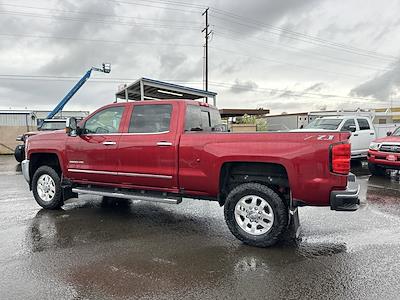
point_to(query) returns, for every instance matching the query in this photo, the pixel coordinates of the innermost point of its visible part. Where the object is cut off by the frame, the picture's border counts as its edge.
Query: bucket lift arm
(106, 69)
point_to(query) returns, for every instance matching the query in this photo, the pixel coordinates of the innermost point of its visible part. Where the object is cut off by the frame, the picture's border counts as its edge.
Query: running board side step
(163, 198)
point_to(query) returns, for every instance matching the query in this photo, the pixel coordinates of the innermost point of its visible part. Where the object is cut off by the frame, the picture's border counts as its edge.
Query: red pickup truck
(384, 154)
(172, 149)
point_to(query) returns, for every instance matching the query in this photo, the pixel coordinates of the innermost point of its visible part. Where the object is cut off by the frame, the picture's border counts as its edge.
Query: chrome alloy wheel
(46, 187)
(254, 215)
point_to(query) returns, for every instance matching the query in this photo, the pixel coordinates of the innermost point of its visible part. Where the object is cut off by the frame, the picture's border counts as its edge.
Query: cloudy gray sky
(287, 55)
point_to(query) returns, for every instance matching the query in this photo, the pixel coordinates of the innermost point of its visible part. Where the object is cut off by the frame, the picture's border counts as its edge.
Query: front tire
(376, 170)
(46, 187)
(255, 214)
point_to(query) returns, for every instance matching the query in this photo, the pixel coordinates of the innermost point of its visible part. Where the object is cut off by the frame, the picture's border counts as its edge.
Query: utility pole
(207, 33)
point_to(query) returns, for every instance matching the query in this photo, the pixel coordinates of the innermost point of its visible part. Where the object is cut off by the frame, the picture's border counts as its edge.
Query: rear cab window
(201, 118)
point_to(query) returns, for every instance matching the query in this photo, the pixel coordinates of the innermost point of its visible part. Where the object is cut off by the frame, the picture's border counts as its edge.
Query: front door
(148, 151)
(92, 156)
(350, 126)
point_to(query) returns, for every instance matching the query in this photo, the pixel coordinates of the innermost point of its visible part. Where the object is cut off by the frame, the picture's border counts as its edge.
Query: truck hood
(38, 135)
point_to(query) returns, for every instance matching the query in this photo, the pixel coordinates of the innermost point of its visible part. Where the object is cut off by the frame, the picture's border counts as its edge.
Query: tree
(247, 119)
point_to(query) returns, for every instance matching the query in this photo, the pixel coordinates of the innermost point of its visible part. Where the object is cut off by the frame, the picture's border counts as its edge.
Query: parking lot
(96, 249)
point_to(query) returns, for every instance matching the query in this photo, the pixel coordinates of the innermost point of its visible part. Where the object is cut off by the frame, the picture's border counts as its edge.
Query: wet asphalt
(94, 249)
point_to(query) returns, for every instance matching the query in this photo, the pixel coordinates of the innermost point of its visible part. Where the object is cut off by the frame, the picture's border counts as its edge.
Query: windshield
(396, 132)
(48, 125)
(327, 124)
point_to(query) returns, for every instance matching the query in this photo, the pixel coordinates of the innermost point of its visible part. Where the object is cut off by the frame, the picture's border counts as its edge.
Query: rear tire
(255, 214)
(376, 170)
(46, 187)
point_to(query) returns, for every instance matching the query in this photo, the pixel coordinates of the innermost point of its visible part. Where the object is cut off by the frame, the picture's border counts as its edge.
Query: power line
(290, 48)
(286, 63)
(120, 23)
(296, 35)
(177, 3)
(99, 40)
(167, 26)
(286, 92)
(213, 83)
(154, 6)
(274, 29)
(97, 14)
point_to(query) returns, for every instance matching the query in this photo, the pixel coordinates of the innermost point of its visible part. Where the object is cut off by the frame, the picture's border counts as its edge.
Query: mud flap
(291, 236)
(68, 194)
(294, 222)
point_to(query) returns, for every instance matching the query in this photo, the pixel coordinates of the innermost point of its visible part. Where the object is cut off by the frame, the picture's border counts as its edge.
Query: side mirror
(389, 133)
(71, 126)
(352, 128)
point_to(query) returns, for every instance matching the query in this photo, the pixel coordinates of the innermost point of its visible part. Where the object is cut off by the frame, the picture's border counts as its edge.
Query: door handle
(163, 143)
(356, 134)
(372, 133)
(109, 143)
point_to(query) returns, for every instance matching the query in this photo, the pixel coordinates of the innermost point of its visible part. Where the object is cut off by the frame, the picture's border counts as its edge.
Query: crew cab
(163, 151)
(361, 128)
(384, 154)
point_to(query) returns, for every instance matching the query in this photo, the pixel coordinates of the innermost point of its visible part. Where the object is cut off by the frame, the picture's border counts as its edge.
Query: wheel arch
(38, 159)
(273, 175)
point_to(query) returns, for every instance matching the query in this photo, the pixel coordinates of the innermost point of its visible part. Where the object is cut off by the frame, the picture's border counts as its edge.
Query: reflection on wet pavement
(96, 248)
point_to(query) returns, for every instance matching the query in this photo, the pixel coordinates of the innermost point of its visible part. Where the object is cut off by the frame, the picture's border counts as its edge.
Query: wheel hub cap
(254, 215)
(46, 187)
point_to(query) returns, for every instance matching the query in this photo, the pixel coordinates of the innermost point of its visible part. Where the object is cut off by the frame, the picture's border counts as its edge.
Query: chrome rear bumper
(346, 200)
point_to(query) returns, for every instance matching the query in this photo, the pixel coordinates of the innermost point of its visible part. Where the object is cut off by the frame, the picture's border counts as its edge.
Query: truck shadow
(90, 222)
(140, 244)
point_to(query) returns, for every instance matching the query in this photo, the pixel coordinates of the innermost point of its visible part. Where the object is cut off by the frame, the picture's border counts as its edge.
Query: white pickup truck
(361, 128)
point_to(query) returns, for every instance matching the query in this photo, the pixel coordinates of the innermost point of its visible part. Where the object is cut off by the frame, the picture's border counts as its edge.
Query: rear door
(92, 156)
(148, 149)
(366, 133)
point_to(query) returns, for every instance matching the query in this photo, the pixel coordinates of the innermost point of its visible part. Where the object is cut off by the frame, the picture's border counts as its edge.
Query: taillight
(340, 158)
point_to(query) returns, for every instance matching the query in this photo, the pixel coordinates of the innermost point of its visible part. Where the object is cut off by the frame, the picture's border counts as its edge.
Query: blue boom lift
(19, 152)
(106, 69)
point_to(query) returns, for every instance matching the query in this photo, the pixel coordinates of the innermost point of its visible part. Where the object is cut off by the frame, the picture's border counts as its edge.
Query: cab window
(105, 121)
(151, 118)
(199, 118)
(363, 124)
(193, 121)
(348, 124)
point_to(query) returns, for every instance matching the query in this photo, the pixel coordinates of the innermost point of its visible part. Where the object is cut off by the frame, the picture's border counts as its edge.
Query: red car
(164, 151)
(384, 154)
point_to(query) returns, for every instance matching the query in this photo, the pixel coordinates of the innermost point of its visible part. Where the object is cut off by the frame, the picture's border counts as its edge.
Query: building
(17, 122)
(289, 121)
(387, 115)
